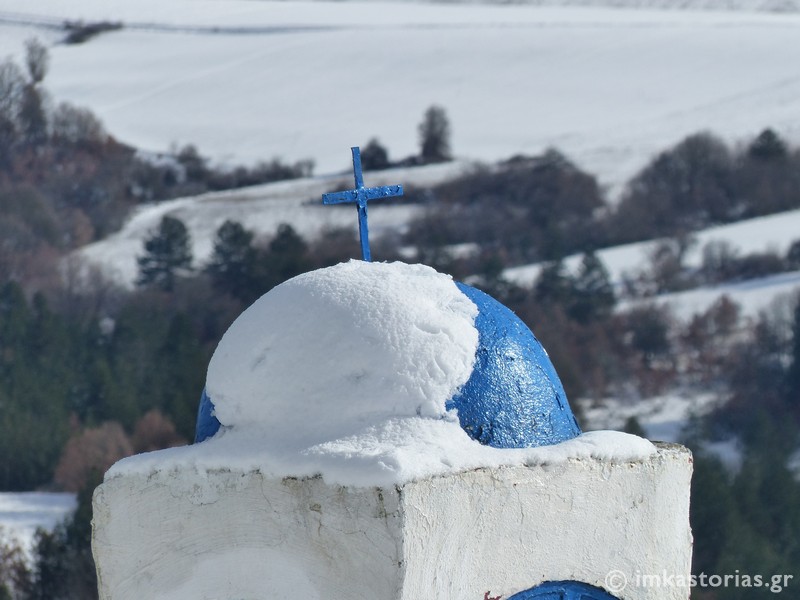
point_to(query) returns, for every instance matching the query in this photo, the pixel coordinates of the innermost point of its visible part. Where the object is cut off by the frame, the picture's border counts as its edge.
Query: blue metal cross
(360, 196)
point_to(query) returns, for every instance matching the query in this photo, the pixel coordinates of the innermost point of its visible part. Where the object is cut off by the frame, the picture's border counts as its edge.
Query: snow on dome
(379, 374)
(331, 351)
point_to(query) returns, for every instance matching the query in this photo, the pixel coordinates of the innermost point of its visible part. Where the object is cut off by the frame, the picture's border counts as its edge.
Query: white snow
(345, 372)
(22, 513)
(248, 81)
(394, 452)
(384, 340)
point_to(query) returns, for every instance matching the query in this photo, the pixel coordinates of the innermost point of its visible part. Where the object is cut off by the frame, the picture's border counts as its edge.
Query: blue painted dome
(513, 397)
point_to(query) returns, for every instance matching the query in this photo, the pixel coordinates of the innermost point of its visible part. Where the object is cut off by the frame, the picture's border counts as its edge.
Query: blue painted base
(564, 590)
(207, 423)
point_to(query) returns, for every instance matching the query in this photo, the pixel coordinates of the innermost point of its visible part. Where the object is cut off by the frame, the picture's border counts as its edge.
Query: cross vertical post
(360, 196)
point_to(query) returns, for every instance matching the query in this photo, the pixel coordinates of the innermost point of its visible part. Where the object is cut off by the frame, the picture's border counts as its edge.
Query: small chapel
(379, 431)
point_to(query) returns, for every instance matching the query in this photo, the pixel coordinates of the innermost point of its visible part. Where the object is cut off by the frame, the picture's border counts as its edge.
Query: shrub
(374, 156)
(91, 450)
(154, 431)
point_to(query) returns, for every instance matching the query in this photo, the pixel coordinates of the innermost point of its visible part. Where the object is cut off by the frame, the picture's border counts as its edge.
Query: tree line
(542, 208)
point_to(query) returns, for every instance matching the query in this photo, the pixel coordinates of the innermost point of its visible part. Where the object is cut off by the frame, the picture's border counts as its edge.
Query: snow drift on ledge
(372, 414)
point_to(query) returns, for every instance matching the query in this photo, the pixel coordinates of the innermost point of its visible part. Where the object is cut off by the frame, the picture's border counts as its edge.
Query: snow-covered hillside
(262, 209)
(771, 233)
(249, 80)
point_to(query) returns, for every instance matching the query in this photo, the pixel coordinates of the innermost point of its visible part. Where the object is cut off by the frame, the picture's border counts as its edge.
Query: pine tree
(37, 60)
(768, 146)
(32, 116)
(593, 296)
(233, 262)
(793, 376)
(554, 285)
(287, 257)
(167, 255)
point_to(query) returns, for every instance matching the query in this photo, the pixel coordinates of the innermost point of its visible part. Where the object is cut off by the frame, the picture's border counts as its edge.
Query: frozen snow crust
(377, 374)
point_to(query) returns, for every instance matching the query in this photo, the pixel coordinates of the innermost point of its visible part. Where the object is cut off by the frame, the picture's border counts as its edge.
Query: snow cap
(332, 351)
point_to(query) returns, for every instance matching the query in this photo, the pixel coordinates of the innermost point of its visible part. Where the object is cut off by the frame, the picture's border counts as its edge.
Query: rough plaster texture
(233, 536)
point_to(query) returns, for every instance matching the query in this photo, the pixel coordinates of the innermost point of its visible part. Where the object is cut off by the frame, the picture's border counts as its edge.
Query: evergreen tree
(233, 262)
(649, 326)
(37, 60)
(287, 257)
(64, 568)
(593, 296)
(434, 136)
(633, 427)
(12, 84)
(554, 285)
(182, 365)
(793, 255)
(32, 115)
(167, 255)
(793, 376)
(768, 146)
(711, 513)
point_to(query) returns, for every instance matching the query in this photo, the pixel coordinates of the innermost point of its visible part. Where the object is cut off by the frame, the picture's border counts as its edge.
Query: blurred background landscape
(624, 175)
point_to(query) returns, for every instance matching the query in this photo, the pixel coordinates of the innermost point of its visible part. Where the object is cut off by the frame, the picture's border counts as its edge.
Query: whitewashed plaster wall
(234, 536)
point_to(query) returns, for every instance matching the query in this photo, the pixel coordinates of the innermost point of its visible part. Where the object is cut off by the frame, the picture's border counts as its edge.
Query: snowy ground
(251, 80)
(22, 513)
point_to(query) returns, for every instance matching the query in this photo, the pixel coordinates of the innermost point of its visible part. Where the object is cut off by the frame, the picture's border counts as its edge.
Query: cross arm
(340, 197)
(363, 194)
(384, 191)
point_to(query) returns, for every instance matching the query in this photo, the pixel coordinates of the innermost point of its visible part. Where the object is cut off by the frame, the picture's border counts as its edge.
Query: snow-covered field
(22, 513)
(249, 80)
